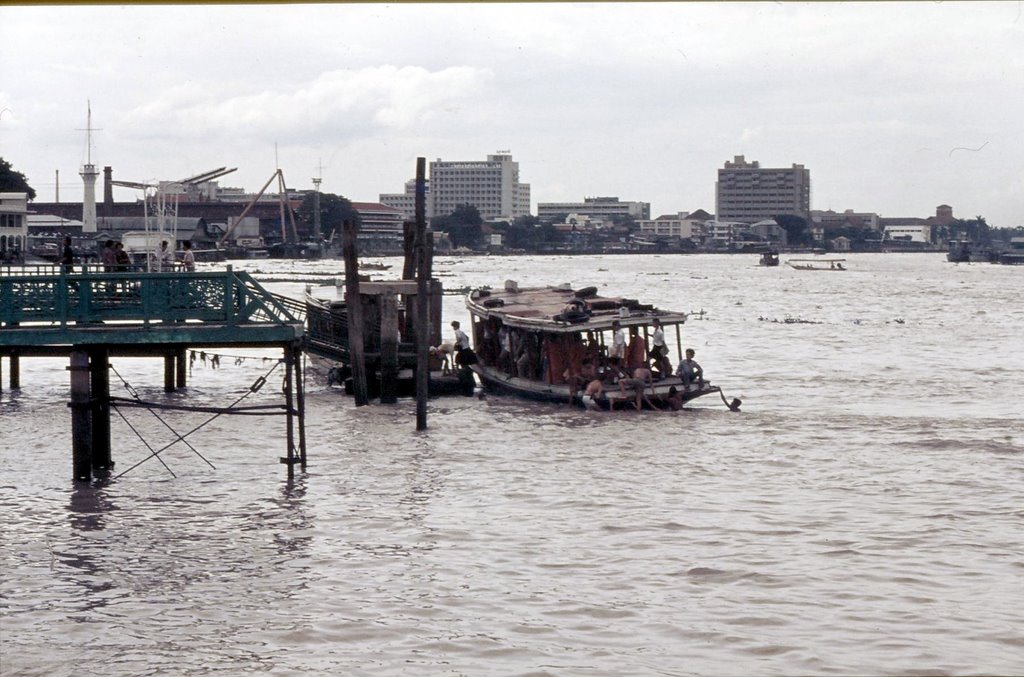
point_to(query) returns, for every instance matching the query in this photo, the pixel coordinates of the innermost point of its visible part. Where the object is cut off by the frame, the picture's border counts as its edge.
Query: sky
(895, 108)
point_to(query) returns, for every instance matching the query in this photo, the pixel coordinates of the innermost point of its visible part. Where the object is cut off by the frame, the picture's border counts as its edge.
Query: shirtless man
(639, 382)
(593, 394)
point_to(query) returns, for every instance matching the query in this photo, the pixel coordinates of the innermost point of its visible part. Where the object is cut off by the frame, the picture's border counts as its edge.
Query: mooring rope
(254, 388)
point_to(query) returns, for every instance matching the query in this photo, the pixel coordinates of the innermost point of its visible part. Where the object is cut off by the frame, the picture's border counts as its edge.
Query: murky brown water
(863, 515)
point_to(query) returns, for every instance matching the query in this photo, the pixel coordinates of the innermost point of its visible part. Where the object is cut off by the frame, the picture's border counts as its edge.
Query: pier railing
(56, 297)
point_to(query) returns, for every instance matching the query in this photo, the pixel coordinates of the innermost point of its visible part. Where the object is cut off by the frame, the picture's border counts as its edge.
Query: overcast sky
(894, 108)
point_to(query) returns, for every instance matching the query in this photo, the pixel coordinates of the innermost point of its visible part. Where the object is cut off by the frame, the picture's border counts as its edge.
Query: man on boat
(618, 342)
(464, 355)
(689, 371)
(659, 351)
(639, 381)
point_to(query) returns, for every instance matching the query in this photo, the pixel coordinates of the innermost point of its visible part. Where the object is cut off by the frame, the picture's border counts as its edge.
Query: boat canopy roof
(544, 309)
(817, 260)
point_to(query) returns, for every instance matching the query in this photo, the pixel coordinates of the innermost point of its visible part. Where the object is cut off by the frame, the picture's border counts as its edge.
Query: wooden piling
(81, 416)
(15, 371)
(289, 368)
(409, 250)
(422, 307)
(99, 376)
(168, 372)
(300, 399)
(354, 309)
(389, 348)
(181, 367)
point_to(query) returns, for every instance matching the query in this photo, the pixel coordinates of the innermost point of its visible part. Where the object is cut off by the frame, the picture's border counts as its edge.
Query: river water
(864, 514)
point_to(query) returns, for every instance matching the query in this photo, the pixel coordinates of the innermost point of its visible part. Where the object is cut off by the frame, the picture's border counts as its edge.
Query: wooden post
(389, 348)
(300, 398)
(15, 371)
(99, 373)
(181, 367)
(409, 250)
(81, 416)
(436, 307)
(168, 372)
(354, 309)
(289, 366)
(422, 309)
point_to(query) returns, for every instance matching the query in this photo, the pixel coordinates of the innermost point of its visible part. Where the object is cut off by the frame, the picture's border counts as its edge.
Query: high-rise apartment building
(595, 207)
(492, 186)
(407, 201)
(749, 193)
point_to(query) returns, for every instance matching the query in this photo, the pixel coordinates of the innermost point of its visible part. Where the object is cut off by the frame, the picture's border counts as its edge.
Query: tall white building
(491, 185)
(406, 201)
(746, 191)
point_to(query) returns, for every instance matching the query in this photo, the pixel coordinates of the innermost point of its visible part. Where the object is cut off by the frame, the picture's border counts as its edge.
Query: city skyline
(894, 108)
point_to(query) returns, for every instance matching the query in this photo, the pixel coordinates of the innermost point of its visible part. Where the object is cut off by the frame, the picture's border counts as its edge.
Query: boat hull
(496, 381)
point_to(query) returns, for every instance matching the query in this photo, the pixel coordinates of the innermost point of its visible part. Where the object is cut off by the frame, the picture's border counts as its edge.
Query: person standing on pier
(164, 258)
(108, 257)
(67, 255)
(188, 259)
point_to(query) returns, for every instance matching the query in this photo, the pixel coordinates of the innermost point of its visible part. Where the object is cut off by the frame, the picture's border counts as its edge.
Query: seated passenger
(690, 372)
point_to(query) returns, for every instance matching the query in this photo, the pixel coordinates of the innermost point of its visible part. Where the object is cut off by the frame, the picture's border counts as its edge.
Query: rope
(165, 423)
(734, 405)
(255, 387)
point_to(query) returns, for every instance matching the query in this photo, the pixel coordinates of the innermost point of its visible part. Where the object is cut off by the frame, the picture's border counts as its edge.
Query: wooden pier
(90, 316)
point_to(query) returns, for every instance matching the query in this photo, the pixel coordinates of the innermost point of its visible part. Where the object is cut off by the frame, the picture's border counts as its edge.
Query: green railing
(52, 296)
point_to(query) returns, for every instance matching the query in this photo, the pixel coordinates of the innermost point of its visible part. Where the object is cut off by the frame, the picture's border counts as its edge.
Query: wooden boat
(816, 264)
(558, 331)
(769, 258)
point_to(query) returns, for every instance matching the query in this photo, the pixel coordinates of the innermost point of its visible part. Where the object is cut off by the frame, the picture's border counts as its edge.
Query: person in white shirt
(164, 258)
(464, 355)
(659, 351)
(618, 341)
(188, 259)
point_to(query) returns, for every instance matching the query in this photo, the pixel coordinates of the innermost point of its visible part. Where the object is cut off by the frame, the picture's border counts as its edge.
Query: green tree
(334, 211)
(975, 230)
(522, 233)
(795, 227)
(462, 225)
(14, 182)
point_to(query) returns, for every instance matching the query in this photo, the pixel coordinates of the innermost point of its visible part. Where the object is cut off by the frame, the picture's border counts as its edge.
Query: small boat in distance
(549, 343)
(816, 264)
(769, 258)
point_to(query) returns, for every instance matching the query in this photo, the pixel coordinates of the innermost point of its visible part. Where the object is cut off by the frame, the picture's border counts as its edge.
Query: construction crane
(283, 203)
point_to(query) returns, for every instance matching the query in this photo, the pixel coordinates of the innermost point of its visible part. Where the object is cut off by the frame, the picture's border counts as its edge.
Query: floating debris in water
(788, 320)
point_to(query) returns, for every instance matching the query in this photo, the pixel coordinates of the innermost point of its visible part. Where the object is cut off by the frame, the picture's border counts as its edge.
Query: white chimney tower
(89, 174)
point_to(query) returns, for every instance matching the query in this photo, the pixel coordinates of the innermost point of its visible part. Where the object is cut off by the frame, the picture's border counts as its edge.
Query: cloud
(338, 103)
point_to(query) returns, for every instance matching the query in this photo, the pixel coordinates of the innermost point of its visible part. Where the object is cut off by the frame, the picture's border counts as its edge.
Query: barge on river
(540, 344)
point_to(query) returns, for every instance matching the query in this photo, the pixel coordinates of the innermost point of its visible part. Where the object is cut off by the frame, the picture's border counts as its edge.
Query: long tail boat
(549, 343)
